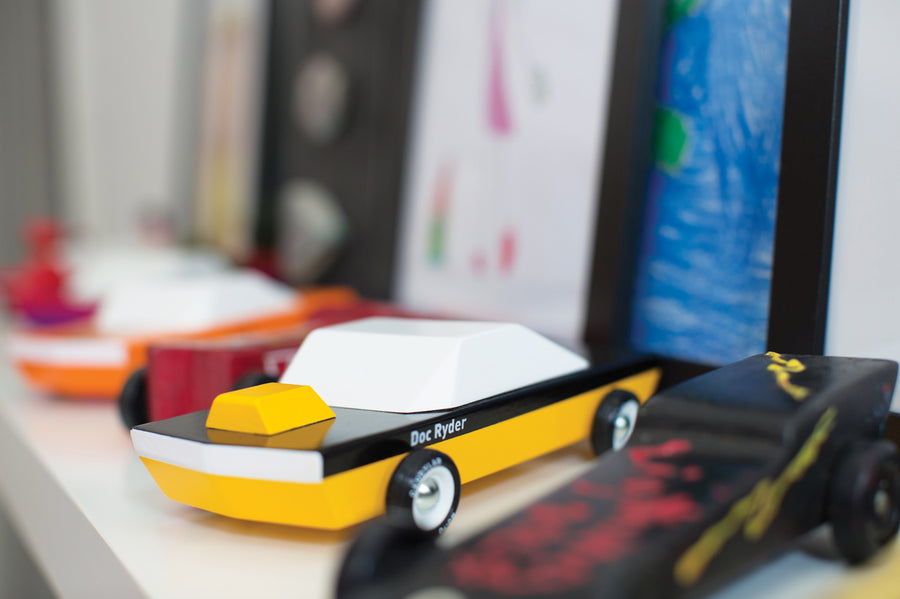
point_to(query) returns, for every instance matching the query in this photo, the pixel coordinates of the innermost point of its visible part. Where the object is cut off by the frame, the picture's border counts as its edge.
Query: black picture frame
(363, 167)
(623, 172)
(804, 222)
(804, 227)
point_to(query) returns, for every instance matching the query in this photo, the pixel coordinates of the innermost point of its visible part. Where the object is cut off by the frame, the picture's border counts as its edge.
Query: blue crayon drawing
(704, 267)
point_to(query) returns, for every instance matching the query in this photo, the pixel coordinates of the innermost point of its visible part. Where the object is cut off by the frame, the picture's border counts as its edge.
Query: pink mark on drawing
(440, 206)
(443, 189)
(507, 251)
(478, 262)
(499, 120)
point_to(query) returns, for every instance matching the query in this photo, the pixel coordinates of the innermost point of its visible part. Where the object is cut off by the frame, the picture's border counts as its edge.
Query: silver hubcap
(881, 503)
(427, 495)
(432, 500)
(621, 428)
(623, 425)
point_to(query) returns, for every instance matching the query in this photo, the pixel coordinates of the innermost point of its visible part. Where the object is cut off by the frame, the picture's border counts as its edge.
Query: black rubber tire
(133, 407)
(422, 466)
(380, 553)
(252, 379)
(603, 427)
(863, 470)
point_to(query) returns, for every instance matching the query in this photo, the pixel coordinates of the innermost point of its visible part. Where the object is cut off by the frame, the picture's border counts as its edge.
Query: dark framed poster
(336, 110)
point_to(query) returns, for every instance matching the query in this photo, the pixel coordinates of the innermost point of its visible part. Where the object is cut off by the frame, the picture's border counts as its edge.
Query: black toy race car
(722, 472)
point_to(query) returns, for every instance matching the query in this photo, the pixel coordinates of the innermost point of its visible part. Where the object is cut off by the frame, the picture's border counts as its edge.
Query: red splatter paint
(556, 545)
(644, 486)
(666, 511)
(691, 473)
(671, 448)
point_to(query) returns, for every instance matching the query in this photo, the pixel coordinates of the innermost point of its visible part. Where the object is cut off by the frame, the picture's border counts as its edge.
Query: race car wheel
(614, 421)
(133, 399)
(379, 554)
(424, 492)
(864, 500)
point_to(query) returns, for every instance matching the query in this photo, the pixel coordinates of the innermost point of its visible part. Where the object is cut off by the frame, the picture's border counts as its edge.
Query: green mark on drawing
(670, 135)
(678, 9)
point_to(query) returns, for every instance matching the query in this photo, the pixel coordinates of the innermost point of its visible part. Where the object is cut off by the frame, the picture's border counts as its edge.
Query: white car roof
(416, 365)
(179, 304)
(96, 267)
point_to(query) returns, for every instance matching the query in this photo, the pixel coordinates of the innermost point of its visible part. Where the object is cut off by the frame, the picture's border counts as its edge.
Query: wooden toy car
(721, 472)
(183, 376)
(93, 359)
(391, 415)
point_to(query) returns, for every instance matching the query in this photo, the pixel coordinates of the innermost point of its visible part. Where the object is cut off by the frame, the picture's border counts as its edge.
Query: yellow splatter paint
(783, 370)
(756, 511)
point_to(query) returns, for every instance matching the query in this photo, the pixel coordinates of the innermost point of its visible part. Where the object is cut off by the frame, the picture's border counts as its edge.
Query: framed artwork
(736, 250)
(703, 271)
(523, 159)
(230, 117)
(334, 135)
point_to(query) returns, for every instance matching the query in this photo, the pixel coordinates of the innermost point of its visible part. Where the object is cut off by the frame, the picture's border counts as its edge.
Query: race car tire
(424, 492)
(864, 499)
(133, 399)
(252, 379)
(379, 554)
(614, 421)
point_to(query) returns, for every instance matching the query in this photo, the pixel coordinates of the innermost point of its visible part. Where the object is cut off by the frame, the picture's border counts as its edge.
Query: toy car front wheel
(133, 399)
(614, 421)
(424, 492)
(864, 501)
(379, 554)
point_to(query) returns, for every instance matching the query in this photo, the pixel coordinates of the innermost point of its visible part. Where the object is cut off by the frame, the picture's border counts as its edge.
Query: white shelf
(98, 526)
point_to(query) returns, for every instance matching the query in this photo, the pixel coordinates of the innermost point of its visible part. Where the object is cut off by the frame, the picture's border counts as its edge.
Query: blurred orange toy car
(92, 359)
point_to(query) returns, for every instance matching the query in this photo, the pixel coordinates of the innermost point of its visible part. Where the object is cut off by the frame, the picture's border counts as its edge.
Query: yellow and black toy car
(391, 415)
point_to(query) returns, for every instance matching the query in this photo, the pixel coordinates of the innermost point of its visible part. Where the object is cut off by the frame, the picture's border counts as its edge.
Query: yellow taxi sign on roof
(267, 409)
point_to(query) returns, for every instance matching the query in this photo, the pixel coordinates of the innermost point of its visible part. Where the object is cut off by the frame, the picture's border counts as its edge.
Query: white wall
(116, 74)
(26, 187)
(864, 300)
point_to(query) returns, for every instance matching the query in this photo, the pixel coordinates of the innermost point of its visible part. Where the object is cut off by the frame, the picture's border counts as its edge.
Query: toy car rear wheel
(133, 399)
(864, 500)
(614, 421)
(424, 492)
